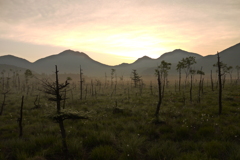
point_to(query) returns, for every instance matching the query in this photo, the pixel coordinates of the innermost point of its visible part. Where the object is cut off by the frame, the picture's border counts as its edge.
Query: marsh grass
(126, 131)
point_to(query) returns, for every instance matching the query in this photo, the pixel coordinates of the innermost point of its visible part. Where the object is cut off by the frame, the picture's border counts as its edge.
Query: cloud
(130, 28)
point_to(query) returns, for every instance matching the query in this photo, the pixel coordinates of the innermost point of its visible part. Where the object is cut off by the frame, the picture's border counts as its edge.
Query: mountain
(147, 65)
(176, 55)
(69, 62)
(229, 56)
(15, 61)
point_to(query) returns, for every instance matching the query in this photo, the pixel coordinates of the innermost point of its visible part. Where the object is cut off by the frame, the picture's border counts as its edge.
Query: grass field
(121, 124)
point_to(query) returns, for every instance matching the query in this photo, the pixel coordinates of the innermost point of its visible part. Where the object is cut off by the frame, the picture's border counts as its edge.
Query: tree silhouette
(135, 77)
(161, 72)
(56, 90)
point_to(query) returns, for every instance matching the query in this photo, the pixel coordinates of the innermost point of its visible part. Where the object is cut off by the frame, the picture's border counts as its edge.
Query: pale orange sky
(116, 31)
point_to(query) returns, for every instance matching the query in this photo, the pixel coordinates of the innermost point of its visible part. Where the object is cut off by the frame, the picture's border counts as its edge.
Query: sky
(117, 31)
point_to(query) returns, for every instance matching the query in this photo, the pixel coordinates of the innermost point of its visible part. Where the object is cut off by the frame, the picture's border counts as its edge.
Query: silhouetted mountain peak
(122, 64)
(233, 50)
(68, 61)
(75, 53)
(143, 59)
(178, 50)
(180, 53)
(12, 57)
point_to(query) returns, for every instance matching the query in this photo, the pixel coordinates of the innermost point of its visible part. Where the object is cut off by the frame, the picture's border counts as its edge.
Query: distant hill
(69, 62)
(176, 55)
(146, 65)
(15, 61)
(229, 56)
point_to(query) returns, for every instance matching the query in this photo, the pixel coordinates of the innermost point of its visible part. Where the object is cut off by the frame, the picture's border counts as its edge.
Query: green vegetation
(121, 125)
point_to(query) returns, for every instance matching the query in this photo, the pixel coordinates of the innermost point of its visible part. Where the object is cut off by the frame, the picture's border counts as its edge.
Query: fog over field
(119, 80)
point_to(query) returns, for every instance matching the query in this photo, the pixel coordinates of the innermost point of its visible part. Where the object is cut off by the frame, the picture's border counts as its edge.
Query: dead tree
(81, 82)
(212, 81)
(219, 85)
(192, 72)
(20, 119)
(200, 88)
(180, 66)
(4, 99)
(3, 78)
(159, 94)
(161, 73)
(56, 90)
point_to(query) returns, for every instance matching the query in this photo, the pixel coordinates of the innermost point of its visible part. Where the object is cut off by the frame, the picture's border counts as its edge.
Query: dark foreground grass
(121, 126)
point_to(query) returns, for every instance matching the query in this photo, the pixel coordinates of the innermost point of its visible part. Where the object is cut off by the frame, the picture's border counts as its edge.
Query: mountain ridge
(68, 61)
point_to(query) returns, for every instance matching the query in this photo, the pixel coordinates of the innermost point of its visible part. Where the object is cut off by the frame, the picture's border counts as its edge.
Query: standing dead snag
(20, 119)
(81, 82)
(200, 88)
(180, 66)
(220, 85)
(222, 70)
(238, 70)
(4, 99)
(192, 72)
(211, 81)
(159, 94)
(161, 73)
(3, 78)
(56, 90)
(219, 65)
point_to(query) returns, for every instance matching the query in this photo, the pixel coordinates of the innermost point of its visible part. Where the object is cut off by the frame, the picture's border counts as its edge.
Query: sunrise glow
(113, 32)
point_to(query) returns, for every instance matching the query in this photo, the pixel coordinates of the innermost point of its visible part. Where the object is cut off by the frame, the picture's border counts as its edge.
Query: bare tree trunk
(63, 133)
(219, 85)
(3, 83)
(190, 89)
(86, 92)
(212, 81)
(57, 92)
(159, 97)
(105, 80)
(199, 90)
(3, 103)
(19, 86)
(20, 119)
(179, 82)
(64, 100)
(81, 83)
(60, 120)
(163, 86)
(92, 88)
